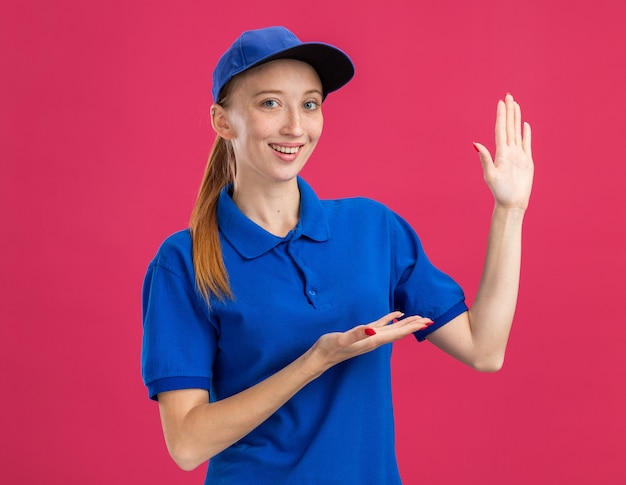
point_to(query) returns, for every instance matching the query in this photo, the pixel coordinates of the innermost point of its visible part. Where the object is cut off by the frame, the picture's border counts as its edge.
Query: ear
(219, 122)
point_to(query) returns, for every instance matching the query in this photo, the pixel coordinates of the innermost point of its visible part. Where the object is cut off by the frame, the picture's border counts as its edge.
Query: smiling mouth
(287, 150)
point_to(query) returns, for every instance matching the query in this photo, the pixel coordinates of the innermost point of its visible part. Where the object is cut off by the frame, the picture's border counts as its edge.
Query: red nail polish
(475, 147)
(370, 331)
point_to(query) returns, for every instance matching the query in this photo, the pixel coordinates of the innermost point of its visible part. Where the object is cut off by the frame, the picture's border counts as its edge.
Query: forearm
(208, 428)
(491, 315)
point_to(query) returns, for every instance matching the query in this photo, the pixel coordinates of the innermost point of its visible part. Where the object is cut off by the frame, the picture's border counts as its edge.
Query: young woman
(267, 323)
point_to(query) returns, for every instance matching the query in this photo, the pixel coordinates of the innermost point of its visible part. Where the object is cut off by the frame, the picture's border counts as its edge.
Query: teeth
(281, 149)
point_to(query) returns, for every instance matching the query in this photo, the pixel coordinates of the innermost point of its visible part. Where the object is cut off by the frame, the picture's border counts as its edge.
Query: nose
(292, 124)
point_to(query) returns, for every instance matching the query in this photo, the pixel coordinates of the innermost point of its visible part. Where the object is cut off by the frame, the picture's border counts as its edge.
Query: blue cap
(255, 47)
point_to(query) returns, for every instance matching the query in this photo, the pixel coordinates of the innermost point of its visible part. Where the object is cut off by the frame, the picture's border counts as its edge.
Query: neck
(275, 208)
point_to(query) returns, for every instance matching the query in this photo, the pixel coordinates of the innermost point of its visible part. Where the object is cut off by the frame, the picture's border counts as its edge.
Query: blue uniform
(347, 262)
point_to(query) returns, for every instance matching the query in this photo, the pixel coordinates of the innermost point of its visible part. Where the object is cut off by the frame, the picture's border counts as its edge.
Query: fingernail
(370, 331)
(395, 320)
(428, 324)
(475, 147)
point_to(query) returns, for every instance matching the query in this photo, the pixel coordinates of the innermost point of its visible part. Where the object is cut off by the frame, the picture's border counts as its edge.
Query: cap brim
(333, 66)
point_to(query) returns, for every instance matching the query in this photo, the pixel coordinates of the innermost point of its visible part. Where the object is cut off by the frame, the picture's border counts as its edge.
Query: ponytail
(208, 262)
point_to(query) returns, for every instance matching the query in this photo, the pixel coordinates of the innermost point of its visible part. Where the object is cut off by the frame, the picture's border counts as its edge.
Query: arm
(195, 429)
(479, 337)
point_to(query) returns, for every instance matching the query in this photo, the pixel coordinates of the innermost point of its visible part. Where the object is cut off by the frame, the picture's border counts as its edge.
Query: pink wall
(104, 136)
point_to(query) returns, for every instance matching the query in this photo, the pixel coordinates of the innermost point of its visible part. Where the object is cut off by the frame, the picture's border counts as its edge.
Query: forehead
(280, 74)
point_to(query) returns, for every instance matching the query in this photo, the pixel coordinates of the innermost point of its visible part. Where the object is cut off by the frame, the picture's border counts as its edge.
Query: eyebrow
(277, 91)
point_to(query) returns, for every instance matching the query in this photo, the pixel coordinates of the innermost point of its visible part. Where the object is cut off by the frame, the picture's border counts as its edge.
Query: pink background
(104, 135)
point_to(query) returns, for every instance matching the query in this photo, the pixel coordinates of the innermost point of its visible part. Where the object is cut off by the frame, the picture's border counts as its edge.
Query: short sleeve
(421, 288)
(179, 341)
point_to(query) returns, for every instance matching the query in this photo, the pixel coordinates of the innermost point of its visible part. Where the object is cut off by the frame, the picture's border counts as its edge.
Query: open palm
(510, 174)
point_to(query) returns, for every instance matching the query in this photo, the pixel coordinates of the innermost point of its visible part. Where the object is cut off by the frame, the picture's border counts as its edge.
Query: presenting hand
(335, 347)
(510, 175)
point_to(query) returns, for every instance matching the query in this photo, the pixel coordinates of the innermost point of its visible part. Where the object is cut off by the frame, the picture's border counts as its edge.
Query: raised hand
(510, 175)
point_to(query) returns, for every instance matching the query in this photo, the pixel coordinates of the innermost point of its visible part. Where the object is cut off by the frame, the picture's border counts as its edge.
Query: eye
(311, 105)
(270, 103)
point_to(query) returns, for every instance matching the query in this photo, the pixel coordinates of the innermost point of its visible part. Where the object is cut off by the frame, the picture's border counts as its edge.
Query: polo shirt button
(312, 292)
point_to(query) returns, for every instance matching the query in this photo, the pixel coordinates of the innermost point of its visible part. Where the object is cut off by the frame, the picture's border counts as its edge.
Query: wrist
(509, 213)
(311, 365)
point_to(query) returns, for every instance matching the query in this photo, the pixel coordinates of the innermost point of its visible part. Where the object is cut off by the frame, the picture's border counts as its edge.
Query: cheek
(316, 129)
(260, 128)
(252, 131)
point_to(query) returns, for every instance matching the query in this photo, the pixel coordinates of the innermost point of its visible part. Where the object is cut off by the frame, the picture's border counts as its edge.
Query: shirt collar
(251, 240)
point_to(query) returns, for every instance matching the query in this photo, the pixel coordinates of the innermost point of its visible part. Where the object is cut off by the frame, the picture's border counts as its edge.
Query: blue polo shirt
(347, 262)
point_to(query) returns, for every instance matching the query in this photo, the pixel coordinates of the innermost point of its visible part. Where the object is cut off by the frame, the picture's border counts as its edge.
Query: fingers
(508, 122)
(361, 332)
(501, 124)
(510, 119)
(485, 158)
(526, 143)
(397, 329)
(517, 120)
